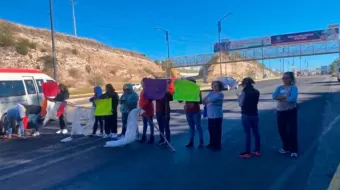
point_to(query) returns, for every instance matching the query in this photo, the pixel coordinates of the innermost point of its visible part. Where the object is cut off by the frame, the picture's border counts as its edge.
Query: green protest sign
(186, 91)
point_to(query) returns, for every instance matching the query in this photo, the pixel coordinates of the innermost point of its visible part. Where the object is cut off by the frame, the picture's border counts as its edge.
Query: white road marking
(37, 167)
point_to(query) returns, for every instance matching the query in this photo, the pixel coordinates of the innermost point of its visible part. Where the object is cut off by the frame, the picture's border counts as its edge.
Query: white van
(20, 86)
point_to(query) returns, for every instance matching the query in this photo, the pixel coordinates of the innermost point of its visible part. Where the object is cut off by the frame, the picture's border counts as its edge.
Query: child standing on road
(98, 119)
(248, 100)
(214, 103)
(286, 96)
(128, 102)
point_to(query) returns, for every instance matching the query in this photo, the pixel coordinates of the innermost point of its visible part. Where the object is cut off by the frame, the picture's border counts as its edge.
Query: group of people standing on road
(287, 108)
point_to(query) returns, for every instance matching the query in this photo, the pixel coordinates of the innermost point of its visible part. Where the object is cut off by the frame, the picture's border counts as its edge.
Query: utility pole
(54, 55)
(219, 29)
(74, 18)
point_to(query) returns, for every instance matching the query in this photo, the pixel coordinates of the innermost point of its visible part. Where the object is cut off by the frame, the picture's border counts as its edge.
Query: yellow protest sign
(103, 107)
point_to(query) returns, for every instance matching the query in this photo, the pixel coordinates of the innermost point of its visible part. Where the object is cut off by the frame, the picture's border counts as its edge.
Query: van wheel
(2, 124)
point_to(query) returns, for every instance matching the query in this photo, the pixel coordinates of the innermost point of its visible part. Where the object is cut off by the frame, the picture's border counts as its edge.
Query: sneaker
(58, 132)
(245, 155)
(114, 135)
(294, 155)
(100, 134)
(64, 131)
(282, 151)
(106, 136)
(21, 137)
(257, 153)
(36, 134)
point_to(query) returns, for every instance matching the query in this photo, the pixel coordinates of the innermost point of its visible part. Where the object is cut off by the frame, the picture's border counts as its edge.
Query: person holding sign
(111, 120)
(192, 111)
(214, 103)
(163, 116)
(62, 96)
(98, 119)
(148, 107)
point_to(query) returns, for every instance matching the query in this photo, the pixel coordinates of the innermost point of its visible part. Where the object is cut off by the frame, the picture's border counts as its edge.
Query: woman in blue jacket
(286, 96)
(128, 101)
(98, 119)
(214, 103)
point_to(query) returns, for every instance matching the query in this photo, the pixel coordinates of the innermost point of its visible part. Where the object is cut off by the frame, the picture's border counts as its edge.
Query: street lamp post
(53, 42)
(168, 47)
(219, 29)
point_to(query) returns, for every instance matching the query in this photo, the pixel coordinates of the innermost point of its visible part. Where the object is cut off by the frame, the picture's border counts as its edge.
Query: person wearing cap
(192, 112)
(248, 100)
(214, 103)
(62, 96)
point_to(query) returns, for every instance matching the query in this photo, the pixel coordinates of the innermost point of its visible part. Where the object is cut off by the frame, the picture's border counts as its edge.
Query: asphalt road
(45, 163)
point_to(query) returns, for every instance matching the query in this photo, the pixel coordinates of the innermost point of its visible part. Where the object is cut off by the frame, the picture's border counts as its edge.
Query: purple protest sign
(155, 89)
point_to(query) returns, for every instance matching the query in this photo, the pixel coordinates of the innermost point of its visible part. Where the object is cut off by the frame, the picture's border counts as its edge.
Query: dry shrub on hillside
(74, 73)
(96, 80)
(6, 35)
(88, 69)
(47, 62)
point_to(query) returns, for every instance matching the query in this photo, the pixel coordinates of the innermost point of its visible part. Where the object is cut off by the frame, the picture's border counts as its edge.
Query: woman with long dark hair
(248, 101)
(62, 96)
(214, 103)
(111, 120)
(286, 96)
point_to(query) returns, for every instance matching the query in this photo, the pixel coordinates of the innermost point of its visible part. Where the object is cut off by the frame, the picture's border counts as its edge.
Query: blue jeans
(11, 123)
(163, 121)
(33, 121)
(194, 121)
(147, 120)
(124, 121)
(251, 123)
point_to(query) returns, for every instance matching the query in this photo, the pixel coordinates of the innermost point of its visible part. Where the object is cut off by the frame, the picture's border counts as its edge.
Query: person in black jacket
(62, 96)
(248, 101)
(111, 120)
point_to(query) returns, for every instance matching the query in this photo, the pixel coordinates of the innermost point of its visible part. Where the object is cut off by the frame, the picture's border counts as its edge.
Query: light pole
(219, 29)
(168, 47)
(74, 18)
(54, 56)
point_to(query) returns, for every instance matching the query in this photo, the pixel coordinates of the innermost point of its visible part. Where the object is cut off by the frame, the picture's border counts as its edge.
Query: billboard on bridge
(304, 37)
(227, 45)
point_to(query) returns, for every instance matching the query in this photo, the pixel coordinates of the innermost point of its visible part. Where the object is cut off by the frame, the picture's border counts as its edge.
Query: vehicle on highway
(229, 83)
(137, 86)
(22, 86)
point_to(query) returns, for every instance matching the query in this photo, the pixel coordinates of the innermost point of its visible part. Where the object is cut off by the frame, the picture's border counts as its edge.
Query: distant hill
(80, 61)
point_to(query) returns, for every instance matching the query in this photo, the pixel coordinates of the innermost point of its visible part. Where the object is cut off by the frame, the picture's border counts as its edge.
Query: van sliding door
(32, 91)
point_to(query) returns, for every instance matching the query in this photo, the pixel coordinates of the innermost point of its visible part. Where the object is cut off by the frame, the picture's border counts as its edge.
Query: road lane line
(47, 155)
(37, 167)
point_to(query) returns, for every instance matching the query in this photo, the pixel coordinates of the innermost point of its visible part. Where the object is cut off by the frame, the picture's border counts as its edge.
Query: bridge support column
(205, 73)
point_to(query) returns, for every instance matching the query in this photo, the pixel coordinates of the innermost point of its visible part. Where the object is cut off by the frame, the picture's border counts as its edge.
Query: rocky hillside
(80, 62)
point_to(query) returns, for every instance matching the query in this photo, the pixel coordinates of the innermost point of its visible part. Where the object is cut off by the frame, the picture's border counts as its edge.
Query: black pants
(215, 132)
(111, 124)
(287, 124)
(98, 120)
(62, 123)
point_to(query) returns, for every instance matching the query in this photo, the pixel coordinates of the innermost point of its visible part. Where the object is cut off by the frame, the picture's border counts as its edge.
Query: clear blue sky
(192, 23)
